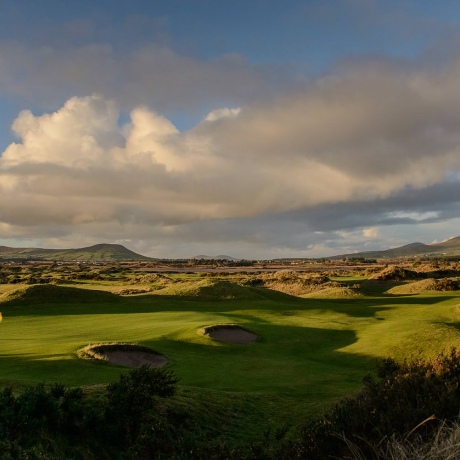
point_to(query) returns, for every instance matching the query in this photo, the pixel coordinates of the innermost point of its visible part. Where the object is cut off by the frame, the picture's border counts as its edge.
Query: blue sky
(255, 128)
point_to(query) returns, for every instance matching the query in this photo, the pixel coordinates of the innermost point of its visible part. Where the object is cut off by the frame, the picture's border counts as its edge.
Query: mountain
(100, 252)
(449, 247)
(220, 257)
(452, 243)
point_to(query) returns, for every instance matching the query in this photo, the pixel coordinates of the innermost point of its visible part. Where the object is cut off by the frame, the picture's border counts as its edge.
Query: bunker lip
(230, 333)
(123, 354)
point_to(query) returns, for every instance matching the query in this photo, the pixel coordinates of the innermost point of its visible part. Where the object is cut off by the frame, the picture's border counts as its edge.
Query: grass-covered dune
(309, 352)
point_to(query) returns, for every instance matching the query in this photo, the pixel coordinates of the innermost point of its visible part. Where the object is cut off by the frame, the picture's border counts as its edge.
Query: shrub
(132, 400)
(394, 403)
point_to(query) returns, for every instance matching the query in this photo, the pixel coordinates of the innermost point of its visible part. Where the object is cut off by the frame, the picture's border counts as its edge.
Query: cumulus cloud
(370, 232)
(370, 138)
(222, 113)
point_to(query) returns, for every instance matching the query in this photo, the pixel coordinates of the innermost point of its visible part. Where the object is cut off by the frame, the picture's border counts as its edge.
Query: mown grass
(309, 353)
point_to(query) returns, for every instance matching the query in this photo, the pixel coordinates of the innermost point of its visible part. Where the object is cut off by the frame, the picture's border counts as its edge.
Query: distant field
(310, 351)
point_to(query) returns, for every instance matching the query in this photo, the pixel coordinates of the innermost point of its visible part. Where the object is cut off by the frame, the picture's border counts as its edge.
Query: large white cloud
(369, 134)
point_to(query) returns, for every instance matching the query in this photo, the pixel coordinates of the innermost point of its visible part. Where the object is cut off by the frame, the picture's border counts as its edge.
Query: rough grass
(444, 445)
(294, 283)
(335, 293)
(51, 294)
(430, 284)
(210, 289)
(394, 272)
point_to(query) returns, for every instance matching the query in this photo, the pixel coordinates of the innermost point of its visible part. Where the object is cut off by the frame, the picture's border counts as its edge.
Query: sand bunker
(230, 333)
(135, 358)
(122, 354)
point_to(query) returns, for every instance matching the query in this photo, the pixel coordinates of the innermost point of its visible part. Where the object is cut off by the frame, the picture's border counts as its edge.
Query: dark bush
(396, 402)
(132, 400)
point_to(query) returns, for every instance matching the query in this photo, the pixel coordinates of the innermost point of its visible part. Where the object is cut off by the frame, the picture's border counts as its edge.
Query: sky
(257, 129)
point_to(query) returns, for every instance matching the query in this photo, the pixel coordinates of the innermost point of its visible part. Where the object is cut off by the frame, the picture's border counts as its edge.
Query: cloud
(370, 232)
(151, 73)
(375, 145)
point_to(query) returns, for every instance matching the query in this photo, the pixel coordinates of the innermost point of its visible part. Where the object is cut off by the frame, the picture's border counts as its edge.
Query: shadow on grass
(369, 307)
(92, 302)
(52, 368)
(379, 288)
(455, 325)
(282, 356)
(286, 359)
(291, 361)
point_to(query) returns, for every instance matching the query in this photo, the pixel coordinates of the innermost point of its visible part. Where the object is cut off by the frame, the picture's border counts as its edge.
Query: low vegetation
(408, 410)
(405, 403)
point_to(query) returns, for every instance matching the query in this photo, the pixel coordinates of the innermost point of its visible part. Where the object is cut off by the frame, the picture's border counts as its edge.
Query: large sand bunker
(231, 333)
(123, 354)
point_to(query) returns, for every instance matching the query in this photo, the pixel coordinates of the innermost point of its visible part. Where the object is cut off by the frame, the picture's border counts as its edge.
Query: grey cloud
(151, 74)
(372, 121)
(439, 202)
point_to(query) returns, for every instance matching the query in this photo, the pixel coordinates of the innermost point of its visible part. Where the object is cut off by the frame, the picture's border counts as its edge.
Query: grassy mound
(430, 284)
(293, 283)
(335, 293)
(394, 273)
(207, 289)
(154, 278)
(52, 294)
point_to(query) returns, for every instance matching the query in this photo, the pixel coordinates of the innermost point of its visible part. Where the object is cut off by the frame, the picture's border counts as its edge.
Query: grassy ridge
(310, 351)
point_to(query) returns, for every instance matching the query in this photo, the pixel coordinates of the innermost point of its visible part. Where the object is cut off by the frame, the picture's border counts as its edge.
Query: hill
(98, 252)
(219, 257)
(449, 247)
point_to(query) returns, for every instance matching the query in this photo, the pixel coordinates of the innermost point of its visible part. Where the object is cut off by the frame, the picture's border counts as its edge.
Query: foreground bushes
(408, 399)
(36, 423)
(398, 409)
(61, 423)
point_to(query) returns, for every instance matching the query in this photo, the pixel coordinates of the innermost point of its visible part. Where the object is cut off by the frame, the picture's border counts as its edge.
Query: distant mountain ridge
(450, 247)
(219, 257)
(97, 252)
(118, 252)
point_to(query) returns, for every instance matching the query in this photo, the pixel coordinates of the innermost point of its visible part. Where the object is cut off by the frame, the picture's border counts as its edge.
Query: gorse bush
(444, 444)
(396, 402)
(38, 420)
(132, 400)
(59, 422)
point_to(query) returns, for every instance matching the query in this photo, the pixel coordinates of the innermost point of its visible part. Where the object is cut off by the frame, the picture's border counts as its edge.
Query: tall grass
(443, 445)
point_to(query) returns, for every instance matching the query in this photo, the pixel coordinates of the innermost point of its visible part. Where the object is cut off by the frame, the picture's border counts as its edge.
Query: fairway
(308, 353)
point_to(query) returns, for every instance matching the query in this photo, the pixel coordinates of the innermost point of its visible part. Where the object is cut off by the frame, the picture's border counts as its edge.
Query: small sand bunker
(124, 354)
(231, 333)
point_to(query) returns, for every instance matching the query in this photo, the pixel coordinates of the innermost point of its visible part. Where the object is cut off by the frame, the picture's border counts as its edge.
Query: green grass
(310, 351)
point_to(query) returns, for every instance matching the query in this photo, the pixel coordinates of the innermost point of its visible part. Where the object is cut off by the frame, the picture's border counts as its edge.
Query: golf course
(308, 351)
